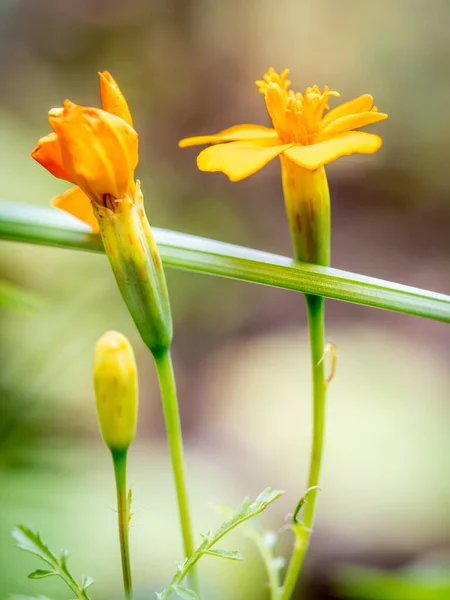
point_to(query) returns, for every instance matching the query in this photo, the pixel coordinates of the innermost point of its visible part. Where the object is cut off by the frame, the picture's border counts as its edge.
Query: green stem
(303, 530)
(173, 426)
(120, 472)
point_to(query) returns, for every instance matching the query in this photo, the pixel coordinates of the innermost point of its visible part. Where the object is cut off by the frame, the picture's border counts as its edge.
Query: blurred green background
(188, 67)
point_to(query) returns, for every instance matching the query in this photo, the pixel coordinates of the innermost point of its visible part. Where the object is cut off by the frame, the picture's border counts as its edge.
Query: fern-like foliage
(246, 511)
(29, 540)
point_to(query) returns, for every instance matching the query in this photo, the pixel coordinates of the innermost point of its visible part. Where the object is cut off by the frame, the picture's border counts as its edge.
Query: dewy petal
(232, 134)
(361, 104)
(48, 154)
(113, 101)
(99, 150)
(354, 121)
(315, 155)
(76, 203)
(238, 160)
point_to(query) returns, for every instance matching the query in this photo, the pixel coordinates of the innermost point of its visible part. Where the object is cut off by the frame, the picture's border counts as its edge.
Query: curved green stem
(174, 435)
(120, 472)
(302, 531)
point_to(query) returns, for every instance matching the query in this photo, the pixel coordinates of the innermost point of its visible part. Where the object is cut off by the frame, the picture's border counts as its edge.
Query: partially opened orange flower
(305, 131)
(95, 149)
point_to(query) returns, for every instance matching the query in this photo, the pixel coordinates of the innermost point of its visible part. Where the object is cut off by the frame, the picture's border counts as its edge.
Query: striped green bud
(116, 390)
(137, 266)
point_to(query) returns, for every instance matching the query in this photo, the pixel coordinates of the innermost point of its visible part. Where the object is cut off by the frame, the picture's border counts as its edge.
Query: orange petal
(238, 159)
(232, 134)
(315, 155)
(48, 154)
(361, 104)
(350, 122)
(99, 149)
(113, 101)
(76, 203)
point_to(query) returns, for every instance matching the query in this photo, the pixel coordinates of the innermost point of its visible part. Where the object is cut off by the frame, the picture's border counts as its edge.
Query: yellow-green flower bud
(137, 266)
(116, 390)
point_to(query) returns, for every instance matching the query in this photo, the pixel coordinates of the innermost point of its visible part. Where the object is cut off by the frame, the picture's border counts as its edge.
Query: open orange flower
(95, 149)
(305, 131)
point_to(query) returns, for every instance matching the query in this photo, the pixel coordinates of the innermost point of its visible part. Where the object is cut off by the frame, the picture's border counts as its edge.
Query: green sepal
(137, 267)
(42, 574)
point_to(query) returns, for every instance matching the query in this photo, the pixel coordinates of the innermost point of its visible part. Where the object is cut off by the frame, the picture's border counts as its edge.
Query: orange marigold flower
(95, 149)
(305, 131)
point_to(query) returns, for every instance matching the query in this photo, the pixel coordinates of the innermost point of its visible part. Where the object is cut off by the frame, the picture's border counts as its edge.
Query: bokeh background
(188, 67)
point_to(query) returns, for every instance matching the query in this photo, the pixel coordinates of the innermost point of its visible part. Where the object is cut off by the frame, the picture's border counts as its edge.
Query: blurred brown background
(188, 67)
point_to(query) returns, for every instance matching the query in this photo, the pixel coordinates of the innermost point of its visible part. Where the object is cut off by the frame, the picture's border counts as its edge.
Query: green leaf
(245, 511)
(86, 582)
(64, 557)
(185, 593)
(29, 540)
(47, 226)
(41, 574)
(229, 554)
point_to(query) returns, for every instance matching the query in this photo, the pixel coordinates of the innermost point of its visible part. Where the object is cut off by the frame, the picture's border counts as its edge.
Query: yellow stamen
(296, 117)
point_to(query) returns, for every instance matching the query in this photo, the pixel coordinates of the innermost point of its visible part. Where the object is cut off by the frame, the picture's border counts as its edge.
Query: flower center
(295, 116)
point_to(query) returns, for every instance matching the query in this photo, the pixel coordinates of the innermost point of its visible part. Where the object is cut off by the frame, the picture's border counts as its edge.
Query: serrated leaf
(86, 582)
(41, 574)
(267, 496)
(28, 539)
(64, 557)
(245, 511)
(185, 593)
(228, 554)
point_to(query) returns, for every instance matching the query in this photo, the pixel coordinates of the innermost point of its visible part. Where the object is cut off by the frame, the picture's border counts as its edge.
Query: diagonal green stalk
(167, 384)
(49, 227)
(302, 531)
(120, 472)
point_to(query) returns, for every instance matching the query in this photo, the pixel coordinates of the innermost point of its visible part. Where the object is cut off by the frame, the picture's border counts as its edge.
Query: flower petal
(238, 160)
(232, 134)
(315, 155)
(76, 203)
(361, 104)
(99, 150)
(48, 154)
(113, 101)
(354, 121)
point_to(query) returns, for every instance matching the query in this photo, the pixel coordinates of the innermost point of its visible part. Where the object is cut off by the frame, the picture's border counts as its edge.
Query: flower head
(305, 131)
(95, 149)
